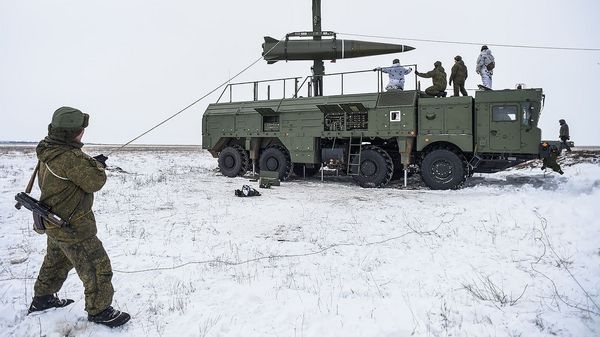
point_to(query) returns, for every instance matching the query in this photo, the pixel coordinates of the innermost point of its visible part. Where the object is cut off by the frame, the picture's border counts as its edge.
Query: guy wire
(196, 101)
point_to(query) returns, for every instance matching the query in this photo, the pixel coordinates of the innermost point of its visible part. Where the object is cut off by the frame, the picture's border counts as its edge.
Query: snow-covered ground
(516, 253)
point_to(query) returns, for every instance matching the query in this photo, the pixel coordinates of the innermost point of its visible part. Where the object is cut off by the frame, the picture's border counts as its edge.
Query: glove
(375, 69)
(417, 73)
(101, 159)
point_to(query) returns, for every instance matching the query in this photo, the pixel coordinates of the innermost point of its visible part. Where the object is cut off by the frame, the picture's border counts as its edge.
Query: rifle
(40, 211)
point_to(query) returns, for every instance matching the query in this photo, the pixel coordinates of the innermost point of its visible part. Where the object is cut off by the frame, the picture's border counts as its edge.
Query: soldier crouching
(550, 159)
(68, 178)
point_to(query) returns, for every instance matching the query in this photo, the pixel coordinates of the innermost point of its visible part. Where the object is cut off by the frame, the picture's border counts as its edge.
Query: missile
(328, 49)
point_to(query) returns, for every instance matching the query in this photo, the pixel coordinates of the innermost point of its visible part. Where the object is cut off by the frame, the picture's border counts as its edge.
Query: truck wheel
(233, 161)
(299, 170)
(376, 168)
(443, 169)
(276, 158)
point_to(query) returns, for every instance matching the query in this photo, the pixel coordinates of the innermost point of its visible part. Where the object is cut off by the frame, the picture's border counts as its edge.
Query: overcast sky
(131, 64)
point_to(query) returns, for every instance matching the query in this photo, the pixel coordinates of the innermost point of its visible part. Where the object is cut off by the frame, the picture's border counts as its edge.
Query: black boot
(110, 317)
(41, 303)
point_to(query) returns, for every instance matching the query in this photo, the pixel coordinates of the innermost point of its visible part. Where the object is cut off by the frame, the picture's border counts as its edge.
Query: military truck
(375, 137)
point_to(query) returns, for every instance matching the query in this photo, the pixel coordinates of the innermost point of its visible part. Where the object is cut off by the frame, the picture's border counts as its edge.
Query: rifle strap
(32, 179)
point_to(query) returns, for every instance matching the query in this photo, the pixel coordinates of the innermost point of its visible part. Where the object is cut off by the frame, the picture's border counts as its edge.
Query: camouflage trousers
(551, 162)
(460, 87)
(92, 265)
(433, 91)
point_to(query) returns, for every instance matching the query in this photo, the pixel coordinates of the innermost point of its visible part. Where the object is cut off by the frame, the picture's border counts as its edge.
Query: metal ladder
(354, 151)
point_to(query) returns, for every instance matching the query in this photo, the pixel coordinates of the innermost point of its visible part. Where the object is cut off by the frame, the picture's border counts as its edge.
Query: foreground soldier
(68, 178)
(438, 76)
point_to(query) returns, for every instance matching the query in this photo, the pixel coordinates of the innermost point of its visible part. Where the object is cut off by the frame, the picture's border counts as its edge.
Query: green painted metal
(506, 121)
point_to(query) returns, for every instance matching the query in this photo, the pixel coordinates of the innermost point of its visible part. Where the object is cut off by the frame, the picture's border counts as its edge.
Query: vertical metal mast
(318, 69)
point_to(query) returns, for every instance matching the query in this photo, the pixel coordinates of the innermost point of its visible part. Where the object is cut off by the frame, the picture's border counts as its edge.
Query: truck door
(505, 127)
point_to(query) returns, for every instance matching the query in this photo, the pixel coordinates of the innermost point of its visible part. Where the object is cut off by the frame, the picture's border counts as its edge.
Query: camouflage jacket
(438, 76)
(459, 73)
(68, 178)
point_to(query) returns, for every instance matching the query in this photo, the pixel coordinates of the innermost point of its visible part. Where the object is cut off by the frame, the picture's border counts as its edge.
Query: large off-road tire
(276, 158)
(300, 170)
(398, 167)
(233, 161)
(443, 169)
(376, 167)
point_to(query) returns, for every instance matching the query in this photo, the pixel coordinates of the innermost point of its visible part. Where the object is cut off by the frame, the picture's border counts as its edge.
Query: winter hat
(67, 123)
(457, 58)
(484, 47)
(395, 61)
(437, 64)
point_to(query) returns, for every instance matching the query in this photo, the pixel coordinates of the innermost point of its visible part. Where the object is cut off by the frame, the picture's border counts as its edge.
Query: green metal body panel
(502, 123)
(299, 122)
(446, 120)
(493, 122)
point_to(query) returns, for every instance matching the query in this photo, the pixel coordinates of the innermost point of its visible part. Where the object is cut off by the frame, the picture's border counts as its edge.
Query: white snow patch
(312, 258)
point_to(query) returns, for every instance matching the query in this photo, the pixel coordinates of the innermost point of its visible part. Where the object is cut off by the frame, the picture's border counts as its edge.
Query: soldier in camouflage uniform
(459, 75)
(68, 178)
(550, 160)
(564, 135)
(438, 76)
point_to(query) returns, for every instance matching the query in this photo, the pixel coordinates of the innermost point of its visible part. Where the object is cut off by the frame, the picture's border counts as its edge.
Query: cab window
(504, 113)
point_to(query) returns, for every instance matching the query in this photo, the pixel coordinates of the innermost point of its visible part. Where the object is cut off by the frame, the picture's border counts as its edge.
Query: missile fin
(269, 39)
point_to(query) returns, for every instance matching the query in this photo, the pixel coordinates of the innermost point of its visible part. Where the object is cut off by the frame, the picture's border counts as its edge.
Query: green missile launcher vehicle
(374, 137)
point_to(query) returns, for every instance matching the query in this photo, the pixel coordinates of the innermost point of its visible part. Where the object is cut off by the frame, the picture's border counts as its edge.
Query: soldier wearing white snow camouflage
(485, 67)
(396, 73)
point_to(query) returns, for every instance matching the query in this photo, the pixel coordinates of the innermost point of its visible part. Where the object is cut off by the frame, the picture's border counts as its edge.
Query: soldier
(396, 73)
(438, 76)
(551, 157)
(564, 135)
(68, 178)
(458, 76)
(485, 67)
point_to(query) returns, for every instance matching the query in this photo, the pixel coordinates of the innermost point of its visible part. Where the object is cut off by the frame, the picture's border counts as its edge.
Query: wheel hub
(229, 162)
(272, 164)
(442, 170)
(368, 168)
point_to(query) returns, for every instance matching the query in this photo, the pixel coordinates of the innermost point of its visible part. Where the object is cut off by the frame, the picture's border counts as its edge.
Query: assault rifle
(40, 211)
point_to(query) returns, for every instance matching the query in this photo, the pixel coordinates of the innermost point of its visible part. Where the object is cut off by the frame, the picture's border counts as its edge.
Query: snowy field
(516, 253)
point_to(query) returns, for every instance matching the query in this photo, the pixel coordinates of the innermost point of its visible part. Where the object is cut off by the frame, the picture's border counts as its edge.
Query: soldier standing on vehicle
(459, 75)
(564, 135)
(68, 178)
(485, 67)
(396, 73)
(438, 76)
